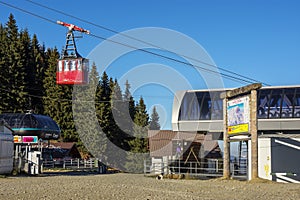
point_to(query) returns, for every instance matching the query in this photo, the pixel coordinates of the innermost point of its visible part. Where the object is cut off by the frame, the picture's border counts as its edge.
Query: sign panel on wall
(238, 115)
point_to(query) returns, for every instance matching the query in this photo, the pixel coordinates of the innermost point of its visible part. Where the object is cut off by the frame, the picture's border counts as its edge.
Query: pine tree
(18, 74)
(25, 51)
(58, 100)
(154, 122)
(119, 122)
(104, 110)
(128, 112)
(4, 75)
(85, 105)
(129, 100)
(28, 79)
(38, 68)
(16, 94)
(141, 122)
(139, 145)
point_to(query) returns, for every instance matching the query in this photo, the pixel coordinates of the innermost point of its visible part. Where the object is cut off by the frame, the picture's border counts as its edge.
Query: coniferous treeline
(28, 82)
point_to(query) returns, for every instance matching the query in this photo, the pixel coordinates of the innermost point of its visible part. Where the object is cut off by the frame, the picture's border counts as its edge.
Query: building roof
(62, 149)
(161, 141)
(60, 145)
(4, 128)
(63, 145)
(279, 135)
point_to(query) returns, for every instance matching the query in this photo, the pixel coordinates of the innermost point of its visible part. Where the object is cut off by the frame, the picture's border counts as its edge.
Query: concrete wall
(285, 160)
(264, 158)
(278, 159)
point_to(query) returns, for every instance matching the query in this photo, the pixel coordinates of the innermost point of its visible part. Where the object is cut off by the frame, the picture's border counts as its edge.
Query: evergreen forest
(28, 82)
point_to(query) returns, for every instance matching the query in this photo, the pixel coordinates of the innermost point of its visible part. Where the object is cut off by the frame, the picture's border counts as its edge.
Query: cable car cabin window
(15, 123)
(46, 123)
(79, 65)
(86, 65)
(27, 122)
(297, 104)
(73, 65)
(67, 63)
(60, 65)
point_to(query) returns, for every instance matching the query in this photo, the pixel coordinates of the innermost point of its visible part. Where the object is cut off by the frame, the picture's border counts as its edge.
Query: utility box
(6, 149)
(34, 162)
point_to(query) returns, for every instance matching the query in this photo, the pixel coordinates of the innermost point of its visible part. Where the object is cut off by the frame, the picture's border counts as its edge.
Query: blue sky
(258, 39)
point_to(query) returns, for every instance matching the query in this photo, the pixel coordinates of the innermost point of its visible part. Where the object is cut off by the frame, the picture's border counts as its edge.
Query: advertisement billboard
(238, 115)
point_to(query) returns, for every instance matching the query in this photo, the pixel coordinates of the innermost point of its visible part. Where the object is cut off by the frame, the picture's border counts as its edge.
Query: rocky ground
(132, 186)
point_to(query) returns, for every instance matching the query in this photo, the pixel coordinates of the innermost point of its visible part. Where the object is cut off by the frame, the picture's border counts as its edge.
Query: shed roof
(161, 141)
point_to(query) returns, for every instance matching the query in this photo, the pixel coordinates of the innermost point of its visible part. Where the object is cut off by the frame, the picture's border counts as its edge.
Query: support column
(253, 132)
(226, 156)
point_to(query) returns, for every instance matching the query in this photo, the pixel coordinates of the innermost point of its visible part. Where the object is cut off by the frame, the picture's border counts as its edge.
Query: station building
(278, 113)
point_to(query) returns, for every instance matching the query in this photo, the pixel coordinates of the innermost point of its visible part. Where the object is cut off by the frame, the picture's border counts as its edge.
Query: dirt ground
(133, 186)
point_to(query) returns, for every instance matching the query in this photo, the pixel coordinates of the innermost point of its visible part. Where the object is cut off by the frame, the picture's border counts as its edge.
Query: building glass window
(201, 106)
(205, 111)
(272, 103)
(189, 107)
(275, 103)
(217, 106)
(287, 103)
(263, 103)
(297, 103)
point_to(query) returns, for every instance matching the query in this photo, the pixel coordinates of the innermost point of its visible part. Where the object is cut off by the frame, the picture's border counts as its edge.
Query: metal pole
(226, 169)
(253, 131)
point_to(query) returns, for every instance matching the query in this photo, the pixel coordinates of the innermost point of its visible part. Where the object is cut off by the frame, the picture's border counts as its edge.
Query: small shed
(168, 147)
(6, 149)
(60, 150)
(167, 143)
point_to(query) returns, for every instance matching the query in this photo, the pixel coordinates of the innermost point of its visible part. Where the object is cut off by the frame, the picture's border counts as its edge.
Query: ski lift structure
(72, 68)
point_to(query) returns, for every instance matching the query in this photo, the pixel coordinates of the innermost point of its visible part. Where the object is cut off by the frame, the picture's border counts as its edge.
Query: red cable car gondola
(72, 68)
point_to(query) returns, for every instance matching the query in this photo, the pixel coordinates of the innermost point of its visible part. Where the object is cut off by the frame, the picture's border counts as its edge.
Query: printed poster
(238, 115)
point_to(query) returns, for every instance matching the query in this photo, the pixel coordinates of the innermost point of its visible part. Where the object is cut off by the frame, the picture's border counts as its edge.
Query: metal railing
(208, 168)
(71, 164)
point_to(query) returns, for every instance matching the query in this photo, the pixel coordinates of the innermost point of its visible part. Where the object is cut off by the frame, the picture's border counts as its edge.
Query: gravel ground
(133, 186)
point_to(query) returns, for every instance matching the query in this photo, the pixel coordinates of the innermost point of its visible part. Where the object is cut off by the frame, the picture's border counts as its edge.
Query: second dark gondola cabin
(28, 124)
